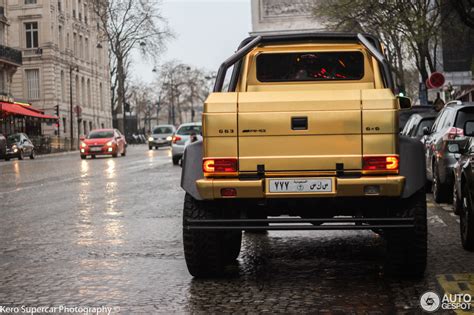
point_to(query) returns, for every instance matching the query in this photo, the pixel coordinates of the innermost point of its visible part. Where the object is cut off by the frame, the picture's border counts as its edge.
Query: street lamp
(71, 109)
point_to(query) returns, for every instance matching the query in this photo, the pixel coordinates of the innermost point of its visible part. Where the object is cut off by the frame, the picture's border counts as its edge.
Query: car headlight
(150, 139)
(83, 144)
(110, 143)
(14, 148)
(169, 138)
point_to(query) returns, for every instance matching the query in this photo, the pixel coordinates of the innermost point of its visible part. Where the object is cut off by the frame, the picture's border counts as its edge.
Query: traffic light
(57, 110)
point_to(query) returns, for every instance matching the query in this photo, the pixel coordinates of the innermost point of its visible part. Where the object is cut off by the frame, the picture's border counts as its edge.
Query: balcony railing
(10, 55)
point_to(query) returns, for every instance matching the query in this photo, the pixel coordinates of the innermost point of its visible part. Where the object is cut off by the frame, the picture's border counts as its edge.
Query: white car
(181, 137)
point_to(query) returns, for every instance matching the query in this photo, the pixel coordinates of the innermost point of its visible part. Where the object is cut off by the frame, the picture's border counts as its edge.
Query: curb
(58, 154)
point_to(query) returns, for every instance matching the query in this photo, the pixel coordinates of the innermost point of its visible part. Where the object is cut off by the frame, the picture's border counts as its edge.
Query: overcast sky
(207, 32)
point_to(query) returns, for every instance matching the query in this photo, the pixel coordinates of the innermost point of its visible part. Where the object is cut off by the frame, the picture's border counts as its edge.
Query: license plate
(300, 185)
(96, 149)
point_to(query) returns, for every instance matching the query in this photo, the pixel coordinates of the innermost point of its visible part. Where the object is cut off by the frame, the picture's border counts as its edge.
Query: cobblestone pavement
(108, 232)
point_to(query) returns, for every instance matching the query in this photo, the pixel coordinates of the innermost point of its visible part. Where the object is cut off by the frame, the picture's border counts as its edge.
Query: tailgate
(299, 130)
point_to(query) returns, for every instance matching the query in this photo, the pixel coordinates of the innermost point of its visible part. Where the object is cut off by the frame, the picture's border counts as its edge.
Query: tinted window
(13, 138)
(188, 130)
(310, 66)
(424, 123)
(101, 134)
(161, 130)
(408, 126)
(464, 115)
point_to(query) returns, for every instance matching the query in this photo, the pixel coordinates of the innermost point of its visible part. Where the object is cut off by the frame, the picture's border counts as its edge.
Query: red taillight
(219, 165)
(228, 192)
(452, 133)
(176, 139)
(381, 163)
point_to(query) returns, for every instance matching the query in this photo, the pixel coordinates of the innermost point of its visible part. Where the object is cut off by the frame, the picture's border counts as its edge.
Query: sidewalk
(58, 154)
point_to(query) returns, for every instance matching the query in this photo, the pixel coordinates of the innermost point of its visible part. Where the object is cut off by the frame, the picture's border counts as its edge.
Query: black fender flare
(192, 168)
(412, 165)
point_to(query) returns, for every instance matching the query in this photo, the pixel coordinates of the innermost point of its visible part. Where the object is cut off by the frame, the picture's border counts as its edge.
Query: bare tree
(465, 9)
(127, 25)
(405, 26)
(183, 90)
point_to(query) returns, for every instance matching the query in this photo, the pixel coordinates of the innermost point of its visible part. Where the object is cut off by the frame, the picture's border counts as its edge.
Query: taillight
(219, 165)
(452, 133)
(176, 139)
(381, 163)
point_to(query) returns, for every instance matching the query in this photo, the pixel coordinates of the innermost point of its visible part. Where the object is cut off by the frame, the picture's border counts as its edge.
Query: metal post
(71, 118)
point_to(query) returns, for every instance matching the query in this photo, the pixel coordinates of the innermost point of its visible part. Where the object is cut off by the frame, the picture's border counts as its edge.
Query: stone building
(10, 59)
(283, 16)
(65, 63)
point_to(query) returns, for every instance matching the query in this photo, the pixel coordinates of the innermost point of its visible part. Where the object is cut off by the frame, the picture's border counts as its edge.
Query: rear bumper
(389, 186)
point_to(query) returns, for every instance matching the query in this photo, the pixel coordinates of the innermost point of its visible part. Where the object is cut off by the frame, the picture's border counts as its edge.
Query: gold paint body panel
(345, 121)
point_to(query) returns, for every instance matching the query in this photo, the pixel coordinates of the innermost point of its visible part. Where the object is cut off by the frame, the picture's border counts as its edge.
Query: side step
(287, 224)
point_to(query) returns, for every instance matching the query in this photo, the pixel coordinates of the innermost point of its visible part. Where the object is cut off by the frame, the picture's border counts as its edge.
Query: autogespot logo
(430, 301)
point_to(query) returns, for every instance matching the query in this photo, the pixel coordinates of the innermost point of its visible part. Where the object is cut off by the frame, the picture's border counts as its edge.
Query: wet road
(108, 232)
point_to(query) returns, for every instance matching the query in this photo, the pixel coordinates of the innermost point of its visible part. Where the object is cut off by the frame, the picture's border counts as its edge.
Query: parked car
(417, 123)
(447, 129)
(406, 113)
(19, 146)
(161, 136)
(180, 139)
(103, 142)
(3, 146)
(463, 188)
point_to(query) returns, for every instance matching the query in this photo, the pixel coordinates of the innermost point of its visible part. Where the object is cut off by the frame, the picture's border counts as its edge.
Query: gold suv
(305, 137)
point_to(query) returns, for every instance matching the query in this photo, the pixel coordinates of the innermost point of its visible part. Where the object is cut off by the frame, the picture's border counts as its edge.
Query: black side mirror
(404, 102)
(469, 128)
(426, 131)
(454, 148)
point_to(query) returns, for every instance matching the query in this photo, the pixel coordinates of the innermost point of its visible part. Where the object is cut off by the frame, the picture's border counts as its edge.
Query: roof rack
(370, 42)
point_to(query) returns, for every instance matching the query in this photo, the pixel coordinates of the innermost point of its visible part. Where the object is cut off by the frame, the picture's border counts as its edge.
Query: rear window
(424, 123)
(310, 66)
(464, 115)
(100, 135)
(188, 130)
(162, 130)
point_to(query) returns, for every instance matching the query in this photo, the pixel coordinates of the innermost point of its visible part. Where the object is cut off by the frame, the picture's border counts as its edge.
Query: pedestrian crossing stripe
(458, 284)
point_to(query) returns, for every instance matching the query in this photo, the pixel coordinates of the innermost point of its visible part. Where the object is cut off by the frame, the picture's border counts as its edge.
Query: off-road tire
(440, 191)
(467, 220)
(407, 248)
(176, 159)
(33, 155)
(457, 203)
(207, 252)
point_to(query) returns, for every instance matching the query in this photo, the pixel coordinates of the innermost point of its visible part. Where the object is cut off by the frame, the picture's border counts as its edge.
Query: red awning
(23, 111)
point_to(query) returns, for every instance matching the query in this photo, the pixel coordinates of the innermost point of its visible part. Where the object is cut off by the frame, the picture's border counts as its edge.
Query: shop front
(16, 118)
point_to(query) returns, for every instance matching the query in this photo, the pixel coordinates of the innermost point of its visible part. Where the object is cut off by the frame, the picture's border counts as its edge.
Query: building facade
(10, 59)
(283, 16)
(65, 64)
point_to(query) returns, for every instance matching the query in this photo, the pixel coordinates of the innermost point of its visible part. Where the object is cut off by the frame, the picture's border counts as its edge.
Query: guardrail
(11, 55)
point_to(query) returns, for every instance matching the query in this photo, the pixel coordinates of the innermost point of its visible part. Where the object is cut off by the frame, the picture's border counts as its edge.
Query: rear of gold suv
(308, 129)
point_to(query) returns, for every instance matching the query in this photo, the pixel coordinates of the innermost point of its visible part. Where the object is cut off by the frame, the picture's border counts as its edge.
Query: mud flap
(412, 165)
(192, 169)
